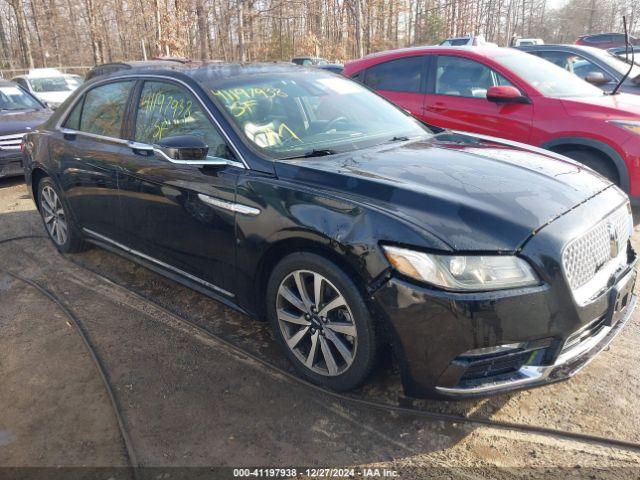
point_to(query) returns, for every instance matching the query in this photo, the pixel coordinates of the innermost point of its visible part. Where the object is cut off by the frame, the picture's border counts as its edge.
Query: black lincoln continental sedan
(299, 196)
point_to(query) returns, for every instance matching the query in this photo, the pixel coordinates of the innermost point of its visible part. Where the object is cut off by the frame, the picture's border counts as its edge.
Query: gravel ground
(188, 401)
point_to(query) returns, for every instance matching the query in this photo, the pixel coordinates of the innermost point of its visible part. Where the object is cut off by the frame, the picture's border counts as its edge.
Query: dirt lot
(187, 400)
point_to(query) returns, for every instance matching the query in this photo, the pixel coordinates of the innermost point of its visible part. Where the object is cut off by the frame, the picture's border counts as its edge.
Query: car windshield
(293, 115)
(618, 64)
(14, 98)
(49, 84)
(549, 79)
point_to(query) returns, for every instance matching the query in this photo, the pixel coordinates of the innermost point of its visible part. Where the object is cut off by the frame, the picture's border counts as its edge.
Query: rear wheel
(58, 223)
(595, 161)
(321, 321)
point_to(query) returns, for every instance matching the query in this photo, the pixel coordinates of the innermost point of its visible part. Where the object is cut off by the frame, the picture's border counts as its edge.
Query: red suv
(506, 93)
(605, 40)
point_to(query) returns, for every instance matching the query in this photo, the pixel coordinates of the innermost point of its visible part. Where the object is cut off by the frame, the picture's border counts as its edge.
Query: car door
(179, 215)
(400, 81)
(87, 149)
(457, 99)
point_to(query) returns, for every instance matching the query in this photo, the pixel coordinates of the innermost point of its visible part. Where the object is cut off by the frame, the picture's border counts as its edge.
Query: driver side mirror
(184, 147)
(597, 78)
(506, 94)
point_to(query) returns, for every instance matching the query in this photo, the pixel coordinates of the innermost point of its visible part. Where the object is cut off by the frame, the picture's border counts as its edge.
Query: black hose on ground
(385, 407)
(102, 372)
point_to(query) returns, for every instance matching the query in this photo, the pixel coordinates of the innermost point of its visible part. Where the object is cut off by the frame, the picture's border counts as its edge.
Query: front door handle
(141, 148)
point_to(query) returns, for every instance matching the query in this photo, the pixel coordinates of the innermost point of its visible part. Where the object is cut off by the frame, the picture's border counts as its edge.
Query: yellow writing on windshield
(240, 101)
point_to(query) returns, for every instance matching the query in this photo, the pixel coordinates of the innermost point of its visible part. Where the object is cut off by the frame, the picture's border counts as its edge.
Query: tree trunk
(23, 32)
(202, 30)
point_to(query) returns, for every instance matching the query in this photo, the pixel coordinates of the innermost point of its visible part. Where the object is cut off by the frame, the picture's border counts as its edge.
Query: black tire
(595, 161)
(73, 241)
(365, 340)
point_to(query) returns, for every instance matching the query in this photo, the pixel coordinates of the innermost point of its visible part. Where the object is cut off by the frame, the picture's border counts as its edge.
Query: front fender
(302, 216)
(605, 149)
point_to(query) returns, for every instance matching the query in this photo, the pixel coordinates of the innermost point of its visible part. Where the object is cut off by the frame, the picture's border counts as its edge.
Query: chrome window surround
(158, 262)
(585, 290)
(143, 146)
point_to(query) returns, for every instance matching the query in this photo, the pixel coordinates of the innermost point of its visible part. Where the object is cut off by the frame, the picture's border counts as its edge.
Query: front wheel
(321, 321)
(57, 221)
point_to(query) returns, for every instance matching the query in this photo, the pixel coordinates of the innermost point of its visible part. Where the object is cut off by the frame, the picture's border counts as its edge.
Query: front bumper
(10, 164)
(437, 335)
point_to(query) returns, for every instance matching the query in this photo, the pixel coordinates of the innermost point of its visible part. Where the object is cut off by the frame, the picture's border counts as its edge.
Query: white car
(521, 42)
(48, 84)
(468, 40)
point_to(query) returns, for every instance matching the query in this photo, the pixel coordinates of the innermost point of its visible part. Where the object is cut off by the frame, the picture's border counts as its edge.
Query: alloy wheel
(316, 323)
(54, 216)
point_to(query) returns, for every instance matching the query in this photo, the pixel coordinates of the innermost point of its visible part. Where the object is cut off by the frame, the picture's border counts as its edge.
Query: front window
(461, 77)
(49, 84)
(167, 110)
(14, 98)
(549, 79)
(296, 115)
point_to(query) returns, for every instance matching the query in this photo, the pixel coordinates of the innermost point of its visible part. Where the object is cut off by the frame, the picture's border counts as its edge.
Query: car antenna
(626, 41)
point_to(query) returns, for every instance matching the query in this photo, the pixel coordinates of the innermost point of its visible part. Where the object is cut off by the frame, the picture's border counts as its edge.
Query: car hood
(53, 97)
(21, 121)
(623, 105)
(474, 194)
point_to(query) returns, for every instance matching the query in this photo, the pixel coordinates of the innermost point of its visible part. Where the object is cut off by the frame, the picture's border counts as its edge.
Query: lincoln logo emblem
(613, 240)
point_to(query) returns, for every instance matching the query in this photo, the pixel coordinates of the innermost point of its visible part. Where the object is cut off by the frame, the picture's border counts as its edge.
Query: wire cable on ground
(380, 406)
(102, 372)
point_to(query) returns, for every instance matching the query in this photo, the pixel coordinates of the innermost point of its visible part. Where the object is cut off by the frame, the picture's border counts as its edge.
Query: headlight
(631, 125)
(458, 272)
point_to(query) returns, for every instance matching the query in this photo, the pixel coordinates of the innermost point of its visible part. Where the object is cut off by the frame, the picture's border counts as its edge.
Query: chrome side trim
(158, 262)
(232, 207)
(134, 77)
(536, 375)
(71, 131)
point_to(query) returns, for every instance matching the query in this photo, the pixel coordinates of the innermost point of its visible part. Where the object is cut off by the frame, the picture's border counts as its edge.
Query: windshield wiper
(400, 138)
(316, 152)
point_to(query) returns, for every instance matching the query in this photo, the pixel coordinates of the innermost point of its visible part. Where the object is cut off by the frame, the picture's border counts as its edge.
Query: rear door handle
(437, 107)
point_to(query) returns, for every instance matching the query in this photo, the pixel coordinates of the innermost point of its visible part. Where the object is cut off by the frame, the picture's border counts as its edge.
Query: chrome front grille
(11, 142)
(602, 246)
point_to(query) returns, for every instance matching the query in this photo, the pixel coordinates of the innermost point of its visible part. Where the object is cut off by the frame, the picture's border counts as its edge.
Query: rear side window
(73, 120)
(400, 75)
(102, 109)
(168, 110)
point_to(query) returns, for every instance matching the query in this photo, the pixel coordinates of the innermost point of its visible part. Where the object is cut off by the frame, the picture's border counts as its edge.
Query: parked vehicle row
(298, 195)
(20, 112)
(510, 94)
(49, 85)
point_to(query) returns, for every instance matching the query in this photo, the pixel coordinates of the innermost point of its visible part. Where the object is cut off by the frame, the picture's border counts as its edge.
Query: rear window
(101, 111)
(399, 75)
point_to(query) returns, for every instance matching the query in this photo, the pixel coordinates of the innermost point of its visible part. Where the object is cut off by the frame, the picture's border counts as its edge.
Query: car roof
(562, 46)
(7, 83)
(477, 51)
(209, 71)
